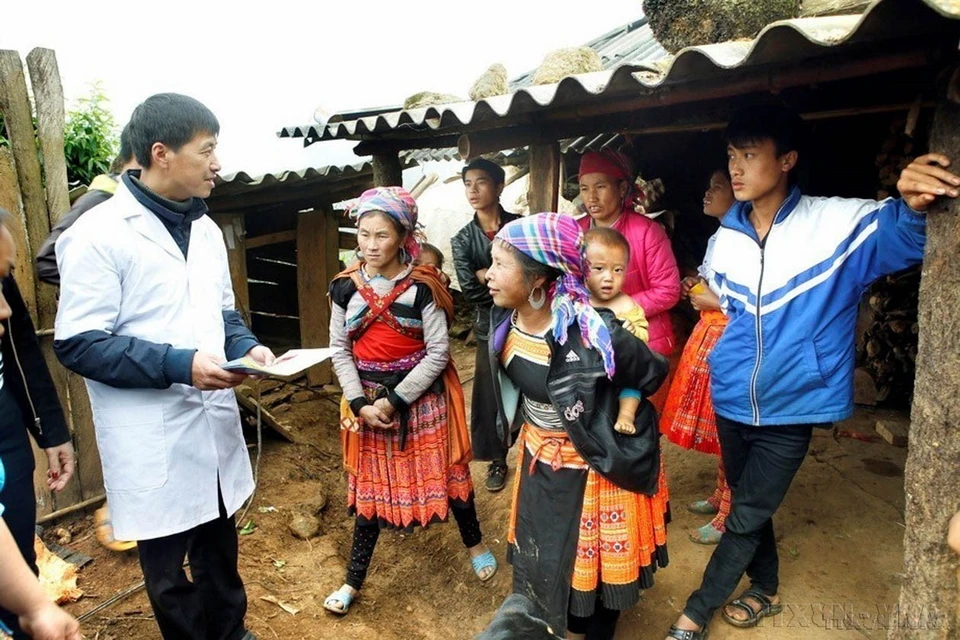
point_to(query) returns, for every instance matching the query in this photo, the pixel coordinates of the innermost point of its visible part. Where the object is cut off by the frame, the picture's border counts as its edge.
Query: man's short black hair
(762, 122)
(492, 169)
(126, 151)
(170, 118)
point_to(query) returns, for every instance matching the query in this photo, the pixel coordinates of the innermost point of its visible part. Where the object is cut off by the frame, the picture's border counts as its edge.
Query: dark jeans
(213, 604)
(484, 439)
(760, 463)
(17, 496)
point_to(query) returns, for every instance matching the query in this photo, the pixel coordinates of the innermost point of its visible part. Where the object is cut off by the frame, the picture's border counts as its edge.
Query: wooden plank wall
(36, 195)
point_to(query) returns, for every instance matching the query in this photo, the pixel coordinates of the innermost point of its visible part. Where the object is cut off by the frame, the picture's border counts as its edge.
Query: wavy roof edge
(241, 182)
(786, 40)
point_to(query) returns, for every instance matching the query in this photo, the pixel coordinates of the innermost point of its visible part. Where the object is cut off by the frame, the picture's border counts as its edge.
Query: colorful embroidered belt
(551, 447)
(401, 364)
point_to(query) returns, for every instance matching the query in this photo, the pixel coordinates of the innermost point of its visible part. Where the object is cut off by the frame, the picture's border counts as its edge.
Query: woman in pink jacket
(652, 280)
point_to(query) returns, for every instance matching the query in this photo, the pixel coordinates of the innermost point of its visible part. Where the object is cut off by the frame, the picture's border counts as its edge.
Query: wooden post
(10, 200)
(318, 240)
(235, 237)
(15, 104)
(48, 100)
(544, 191)
(48, 94)
(929, 595)
(387, 171)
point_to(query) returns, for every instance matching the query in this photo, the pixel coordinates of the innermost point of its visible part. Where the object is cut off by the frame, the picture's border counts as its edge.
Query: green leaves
(90, 141)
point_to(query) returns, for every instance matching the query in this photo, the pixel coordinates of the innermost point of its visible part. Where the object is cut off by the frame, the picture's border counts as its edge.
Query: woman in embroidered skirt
(587, 529)
(405, 439)
(688, 418)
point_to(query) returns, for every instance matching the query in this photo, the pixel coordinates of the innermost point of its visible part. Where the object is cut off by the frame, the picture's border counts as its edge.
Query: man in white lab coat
(146, 317)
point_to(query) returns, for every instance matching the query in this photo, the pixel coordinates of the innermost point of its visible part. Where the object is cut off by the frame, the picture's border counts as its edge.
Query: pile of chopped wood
(887, 327)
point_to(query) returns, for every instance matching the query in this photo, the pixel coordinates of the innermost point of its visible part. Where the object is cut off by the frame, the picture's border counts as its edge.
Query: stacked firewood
(887, 327)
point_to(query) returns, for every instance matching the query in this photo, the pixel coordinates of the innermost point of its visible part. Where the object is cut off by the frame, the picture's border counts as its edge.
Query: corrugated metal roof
(632, 43)
(242, 183)
(781, 43)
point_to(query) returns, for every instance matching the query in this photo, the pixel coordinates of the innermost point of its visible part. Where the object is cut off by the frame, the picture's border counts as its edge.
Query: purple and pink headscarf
(397, 203)
(555, 240)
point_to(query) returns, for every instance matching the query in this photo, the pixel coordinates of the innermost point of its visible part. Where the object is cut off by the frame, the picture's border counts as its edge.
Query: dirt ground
(840, 539)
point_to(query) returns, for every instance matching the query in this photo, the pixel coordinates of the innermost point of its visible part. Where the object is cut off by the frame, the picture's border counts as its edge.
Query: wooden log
(235, 237)
(374, 147)
(423, 184)
(543, 193)
(929, 584)
(247, 397)
(318, 240)
(48, 96)
(864, 388)
(268, 239)
(477, 143)
(893, 431)
(387, 170)
(10, 200)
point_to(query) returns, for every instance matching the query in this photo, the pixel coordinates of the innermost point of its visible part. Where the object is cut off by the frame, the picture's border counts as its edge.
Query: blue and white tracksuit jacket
(787, 354)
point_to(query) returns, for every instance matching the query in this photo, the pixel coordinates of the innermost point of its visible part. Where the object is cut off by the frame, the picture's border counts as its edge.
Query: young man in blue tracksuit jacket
(790, 271)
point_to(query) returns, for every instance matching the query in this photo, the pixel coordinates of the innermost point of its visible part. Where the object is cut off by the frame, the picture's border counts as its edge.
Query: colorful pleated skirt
(404, 489)
(688, 419)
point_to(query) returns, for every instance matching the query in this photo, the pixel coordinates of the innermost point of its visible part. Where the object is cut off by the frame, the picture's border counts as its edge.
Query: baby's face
(429, 260)
(606, 269)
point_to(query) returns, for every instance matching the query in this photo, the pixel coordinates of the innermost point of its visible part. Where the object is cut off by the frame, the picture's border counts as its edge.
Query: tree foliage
(90, 139)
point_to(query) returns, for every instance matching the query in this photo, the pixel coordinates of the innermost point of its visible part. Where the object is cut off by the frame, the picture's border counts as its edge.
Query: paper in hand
(289, 364)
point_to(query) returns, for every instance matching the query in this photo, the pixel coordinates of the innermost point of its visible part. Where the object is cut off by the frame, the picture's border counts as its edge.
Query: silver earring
(537, 303)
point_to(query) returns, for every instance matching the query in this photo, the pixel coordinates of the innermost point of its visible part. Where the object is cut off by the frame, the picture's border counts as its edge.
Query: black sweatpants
(760, 463)
(210, 606)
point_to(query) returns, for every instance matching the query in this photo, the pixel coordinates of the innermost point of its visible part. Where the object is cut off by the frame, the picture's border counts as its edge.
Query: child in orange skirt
(688, 419)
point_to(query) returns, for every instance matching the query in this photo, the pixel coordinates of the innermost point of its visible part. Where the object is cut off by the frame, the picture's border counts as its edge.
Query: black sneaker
(496, 476)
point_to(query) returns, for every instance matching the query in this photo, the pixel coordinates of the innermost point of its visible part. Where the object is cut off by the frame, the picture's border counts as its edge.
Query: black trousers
(17, 496)
(484, 440)
(213, 604)
(602, 625)
(760, 463)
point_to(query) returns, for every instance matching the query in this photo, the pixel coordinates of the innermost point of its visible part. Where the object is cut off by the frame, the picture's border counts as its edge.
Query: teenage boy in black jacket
(28, 403)
(483, 182)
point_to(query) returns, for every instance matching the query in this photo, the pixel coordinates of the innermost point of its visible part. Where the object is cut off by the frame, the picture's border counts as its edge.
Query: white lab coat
(162, 450)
